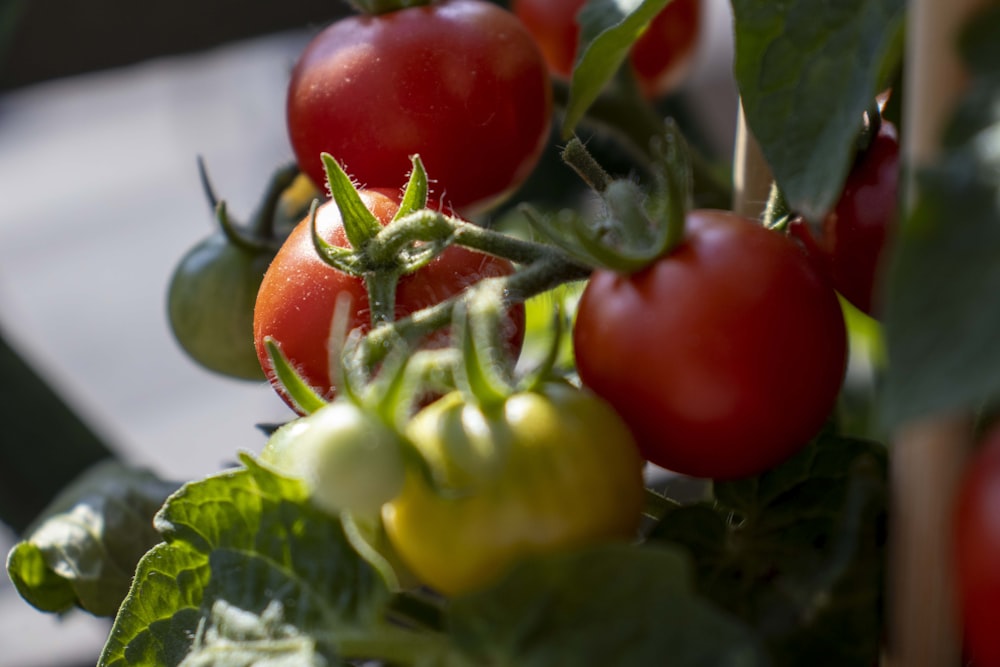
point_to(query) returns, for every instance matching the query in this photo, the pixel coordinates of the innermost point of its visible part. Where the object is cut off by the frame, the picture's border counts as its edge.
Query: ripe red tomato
(460, 82)
(857, 232)
(299, 292)
(724, 357)
(660, 57)
(977, 552)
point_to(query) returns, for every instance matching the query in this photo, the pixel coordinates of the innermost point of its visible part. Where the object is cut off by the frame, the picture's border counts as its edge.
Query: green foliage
(797, 552)
(84, 549)
(608, 28)
(806, 72)
(940, 323)
(614, 605)
(244, 540)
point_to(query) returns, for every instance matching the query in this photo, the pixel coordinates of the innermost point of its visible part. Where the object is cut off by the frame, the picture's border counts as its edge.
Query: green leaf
(247, 540)
(940, 322)
(608, 28)
(611, 605)
(806, 71)
(84, 549)
(798, 552)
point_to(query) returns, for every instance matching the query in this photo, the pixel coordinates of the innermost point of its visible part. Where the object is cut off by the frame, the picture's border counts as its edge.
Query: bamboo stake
(928, 455)
(751, 173)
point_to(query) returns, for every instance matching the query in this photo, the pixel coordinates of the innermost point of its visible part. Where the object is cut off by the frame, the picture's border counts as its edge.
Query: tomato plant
(659, 58)
(703, 342)
(852, 245)
(977, 548)
(460, 82)
(547, 469)
(724, 357)
(299, 293)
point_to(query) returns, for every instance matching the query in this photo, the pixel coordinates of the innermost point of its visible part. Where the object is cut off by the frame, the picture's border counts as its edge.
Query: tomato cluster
(299, 293)
(721, 358)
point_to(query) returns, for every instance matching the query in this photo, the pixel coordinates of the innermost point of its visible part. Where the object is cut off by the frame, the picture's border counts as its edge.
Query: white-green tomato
(348, 458)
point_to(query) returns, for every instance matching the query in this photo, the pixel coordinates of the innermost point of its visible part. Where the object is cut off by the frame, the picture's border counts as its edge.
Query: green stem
(636, 123)
(540, 277)
(576, 155)
(381, 286)
(427, 225)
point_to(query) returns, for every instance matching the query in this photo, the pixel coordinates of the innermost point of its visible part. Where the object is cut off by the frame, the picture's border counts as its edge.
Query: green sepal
(302, 395)
(345, 260)
(415, 193)
(485, 375)
(360, 224)
(544, 371)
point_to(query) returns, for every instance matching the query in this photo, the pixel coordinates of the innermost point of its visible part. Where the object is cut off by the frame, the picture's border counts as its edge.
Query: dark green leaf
(608, 28)
(84, 549)
(246, 543)
(797, 552)
(940, 322)
(612, 605)
(806, 71)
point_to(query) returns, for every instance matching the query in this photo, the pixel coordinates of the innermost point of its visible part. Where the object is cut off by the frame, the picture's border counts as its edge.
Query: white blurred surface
(99, 198)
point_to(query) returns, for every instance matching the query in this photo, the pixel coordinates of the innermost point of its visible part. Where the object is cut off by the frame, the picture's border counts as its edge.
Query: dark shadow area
(49, 39)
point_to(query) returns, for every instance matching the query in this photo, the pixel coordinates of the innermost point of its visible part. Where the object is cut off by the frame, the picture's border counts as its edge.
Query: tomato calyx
(259, 234)
(635, 228)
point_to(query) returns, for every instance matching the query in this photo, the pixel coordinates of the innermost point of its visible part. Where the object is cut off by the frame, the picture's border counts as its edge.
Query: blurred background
(104, 108)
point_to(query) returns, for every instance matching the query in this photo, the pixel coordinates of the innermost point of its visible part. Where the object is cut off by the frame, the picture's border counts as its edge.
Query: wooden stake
(751, 173)
(928, 455)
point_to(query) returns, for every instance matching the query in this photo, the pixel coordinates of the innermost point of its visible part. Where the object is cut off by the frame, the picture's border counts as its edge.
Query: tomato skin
(977, 552)
(459, 82)
(549, 470)
(299, 293)
(725, 356)
(856, 234)
(659, 58)
(210, 303)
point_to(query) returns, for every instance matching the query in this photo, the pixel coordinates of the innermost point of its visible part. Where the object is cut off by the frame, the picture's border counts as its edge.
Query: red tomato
(977, 552)
(299, 292)
(460, 82)
(857, 232)
(724, 357)
(659, 58)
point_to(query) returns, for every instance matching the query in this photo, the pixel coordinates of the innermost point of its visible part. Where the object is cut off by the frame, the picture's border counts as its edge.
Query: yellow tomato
(546, 470)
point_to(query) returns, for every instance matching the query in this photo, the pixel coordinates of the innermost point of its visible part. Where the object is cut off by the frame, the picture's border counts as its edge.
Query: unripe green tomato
(548, 470)
(210, 304)
(348, 458)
